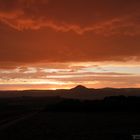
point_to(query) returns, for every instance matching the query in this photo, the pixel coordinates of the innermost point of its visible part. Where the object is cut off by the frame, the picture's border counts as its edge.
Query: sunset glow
(52, 44)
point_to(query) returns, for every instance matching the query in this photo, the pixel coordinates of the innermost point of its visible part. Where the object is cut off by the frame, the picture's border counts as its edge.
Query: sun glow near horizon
(52, 44)
(60, 76)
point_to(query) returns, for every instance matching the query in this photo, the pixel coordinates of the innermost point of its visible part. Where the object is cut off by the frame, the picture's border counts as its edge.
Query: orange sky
(61, 43)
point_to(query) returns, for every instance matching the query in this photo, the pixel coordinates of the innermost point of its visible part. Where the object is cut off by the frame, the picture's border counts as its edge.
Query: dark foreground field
(54, 122)
(75, 126)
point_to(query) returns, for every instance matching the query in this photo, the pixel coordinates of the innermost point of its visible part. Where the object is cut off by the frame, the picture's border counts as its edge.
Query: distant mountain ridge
(78, 92)
(79, 88)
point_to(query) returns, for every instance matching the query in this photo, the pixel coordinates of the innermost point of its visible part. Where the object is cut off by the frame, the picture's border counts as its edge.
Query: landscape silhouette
(77, 113)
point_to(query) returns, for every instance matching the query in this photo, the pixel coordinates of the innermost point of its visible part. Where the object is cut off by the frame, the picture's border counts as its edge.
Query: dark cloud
(65, 15)
(68, 30)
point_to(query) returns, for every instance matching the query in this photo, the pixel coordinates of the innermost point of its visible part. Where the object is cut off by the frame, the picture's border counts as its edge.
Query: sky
(52, 44)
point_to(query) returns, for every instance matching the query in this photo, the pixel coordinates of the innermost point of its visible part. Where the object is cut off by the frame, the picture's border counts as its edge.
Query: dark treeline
(112, 103)
(58, 104)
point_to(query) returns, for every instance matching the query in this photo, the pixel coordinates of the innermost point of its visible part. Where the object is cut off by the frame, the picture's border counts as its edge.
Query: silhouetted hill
(79, 88)
(79, 92)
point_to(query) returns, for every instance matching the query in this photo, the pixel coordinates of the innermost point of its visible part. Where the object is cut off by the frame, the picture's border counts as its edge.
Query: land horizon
(78, 92)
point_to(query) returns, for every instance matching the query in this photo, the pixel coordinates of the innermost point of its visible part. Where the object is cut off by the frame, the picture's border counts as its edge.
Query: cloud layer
(68, 75)
(69, 30)
(56, 43)
(101, 17)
